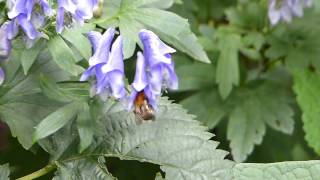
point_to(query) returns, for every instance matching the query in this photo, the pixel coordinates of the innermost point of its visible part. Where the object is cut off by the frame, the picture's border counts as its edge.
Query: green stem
(39, 173)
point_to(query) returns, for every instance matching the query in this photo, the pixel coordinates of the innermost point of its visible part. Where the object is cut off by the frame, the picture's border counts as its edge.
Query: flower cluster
(286, 9)
(154, 68)
(76, 10)
(30, 16)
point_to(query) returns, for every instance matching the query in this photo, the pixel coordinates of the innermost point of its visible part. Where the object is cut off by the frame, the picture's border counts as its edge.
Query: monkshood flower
(74, 10)
(159, 62)
(24, 13)
(107, 66)
(154, 69)
(5, 47)
(5, 42)
(286, 9)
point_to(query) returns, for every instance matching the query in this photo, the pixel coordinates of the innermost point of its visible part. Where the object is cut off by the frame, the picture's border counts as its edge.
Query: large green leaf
(138, 14)
(307, 87)
(174, 140)
(4, 172)
(249, 110)
(282, 171)
(22, 105)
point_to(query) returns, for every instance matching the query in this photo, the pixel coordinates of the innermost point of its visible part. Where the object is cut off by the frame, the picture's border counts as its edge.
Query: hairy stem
(50, 167)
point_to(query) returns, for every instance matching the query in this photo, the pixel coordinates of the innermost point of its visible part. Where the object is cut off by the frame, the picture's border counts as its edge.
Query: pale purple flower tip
(78, 10)
(2, 76)
(285, 10)
(5, 42)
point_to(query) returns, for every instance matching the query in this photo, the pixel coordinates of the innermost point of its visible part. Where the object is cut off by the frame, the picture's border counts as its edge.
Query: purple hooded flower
(5, 46)
(5, 42)
(107, 66)
(25, 14)
(76, 10)
(1, 76)
(286, 9)
(154, 69)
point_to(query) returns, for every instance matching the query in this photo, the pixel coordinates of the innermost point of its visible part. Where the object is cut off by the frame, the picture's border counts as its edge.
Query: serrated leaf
(189, 154)
(307, 87)
(228, 63)
(28, 56)
(133, 15)
(245, 129)
(83, 169)
(283, 170)
(55, 121)
(4, 172)
(64, 56)
(75, 37)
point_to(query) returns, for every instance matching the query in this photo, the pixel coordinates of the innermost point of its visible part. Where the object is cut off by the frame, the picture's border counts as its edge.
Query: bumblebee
(142, 109)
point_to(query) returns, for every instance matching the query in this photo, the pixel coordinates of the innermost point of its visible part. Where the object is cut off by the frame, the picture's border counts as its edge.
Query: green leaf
(195, 76)
(63, 56)
(134, 15)
(4, 172)
(228, 65)
(64, 92)
(283, 170)
(28, 56)
(85, 127)
(83, 169)
(249, 109)
(56, 121)
(75, 37)
(297, 45)
(307, 86)
(196, 158)
(22, 105)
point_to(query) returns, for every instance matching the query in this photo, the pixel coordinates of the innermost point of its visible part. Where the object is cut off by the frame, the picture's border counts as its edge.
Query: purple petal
(117, 84)
(60, 20)
(68, 5)
(85, 9)
(297, 7)
(115, 61)
(155, 51)
(12, 29)
(308, 3)
(156, 78)
(102, 51)
(94, 38)
(274, 14)
(2, 76)
(140, 79)
(131, 99)
(46, 8)
(5, 43)
(19, 6)
(101, 78)
(170, 77)
(86, 74)
(285, 12)
(29, 7)
(28, 27)
(152, 98)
